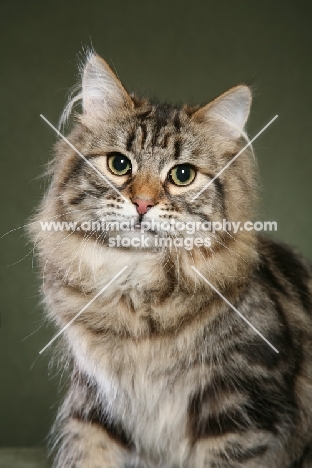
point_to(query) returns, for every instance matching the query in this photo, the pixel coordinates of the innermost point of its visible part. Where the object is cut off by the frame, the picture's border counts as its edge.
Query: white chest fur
(144, 387)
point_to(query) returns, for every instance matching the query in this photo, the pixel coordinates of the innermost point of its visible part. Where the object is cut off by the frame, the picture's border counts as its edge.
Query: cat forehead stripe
(233, 159)
(83, 309)
(235, 310)
(84, 158)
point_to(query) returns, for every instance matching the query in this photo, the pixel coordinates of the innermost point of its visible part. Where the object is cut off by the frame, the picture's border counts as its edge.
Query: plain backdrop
(174, 50)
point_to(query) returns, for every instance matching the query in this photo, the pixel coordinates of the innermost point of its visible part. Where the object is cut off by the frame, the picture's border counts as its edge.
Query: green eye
(119, 164)
(184, 174)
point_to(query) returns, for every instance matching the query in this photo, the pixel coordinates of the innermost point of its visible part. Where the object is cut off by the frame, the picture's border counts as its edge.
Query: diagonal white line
(233, 159)
(235, 310)
(83, 309)
(84, 158)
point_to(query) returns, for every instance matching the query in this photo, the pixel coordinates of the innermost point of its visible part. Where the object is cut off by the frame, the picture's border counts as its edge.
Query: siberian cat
(164, 373)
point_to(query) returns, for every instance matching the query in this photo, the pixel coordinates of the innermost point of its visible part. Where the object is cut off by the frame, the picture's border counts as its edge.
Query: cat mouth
(140, 225)
(140, 228)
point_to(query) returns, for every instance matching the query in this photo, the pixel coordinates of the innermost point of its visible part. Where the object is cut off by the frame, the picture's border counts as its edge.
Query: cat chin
(133, 240)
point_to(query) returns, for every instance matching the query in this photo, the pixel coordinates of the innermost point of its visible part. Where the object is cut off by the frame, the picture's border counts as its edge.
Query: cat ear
(230, 111)
(102, 92)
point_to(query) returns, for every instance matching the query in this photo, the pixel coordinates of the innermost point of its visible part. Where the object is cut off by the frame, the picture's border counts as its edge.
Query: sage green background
(177, 51)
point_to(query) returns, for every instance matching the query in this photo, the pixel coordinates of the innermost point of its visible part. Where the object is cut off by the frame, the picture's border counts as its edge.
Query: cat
(163, 372)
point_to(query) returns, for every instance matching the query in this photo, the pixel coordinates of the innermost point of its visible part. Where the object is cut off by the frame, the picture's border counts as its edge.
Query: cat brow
(84, 158)
(233, 159)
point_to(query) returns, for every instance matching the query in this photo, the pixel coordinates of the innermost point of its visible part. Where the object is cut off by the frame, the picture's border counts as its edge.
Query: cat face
(154, 158)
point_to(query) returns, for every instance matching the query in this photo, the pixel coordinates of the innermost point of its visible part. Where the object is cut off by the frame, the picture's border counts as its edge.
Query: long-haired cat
(163, 372)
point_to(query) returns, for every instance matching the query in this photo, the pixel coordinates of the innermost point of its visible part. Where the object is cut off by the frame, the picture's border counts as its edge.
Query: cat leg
(85, 435)
(241, 451)
(87, 445)
(235, 452)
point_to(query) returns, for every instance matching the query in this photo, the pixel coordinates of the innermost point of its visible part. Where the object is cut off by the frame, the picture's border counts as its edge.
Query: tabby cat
(163, 372)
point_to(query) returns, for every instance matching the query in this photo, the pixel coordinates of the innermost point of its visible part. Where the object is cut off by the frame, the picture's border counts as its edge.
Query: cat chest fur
(145, 382)
(146, 388)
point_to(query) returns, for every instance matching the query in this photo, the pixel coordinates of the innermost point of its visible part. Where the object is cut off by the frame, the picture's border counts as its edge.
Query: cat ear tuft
(102, 92)
(230, 110)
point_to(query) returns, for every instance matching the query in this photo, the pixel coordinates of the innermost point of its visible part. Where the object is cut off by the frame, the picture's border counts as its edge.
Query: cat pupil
(120, 163)
(183, 173)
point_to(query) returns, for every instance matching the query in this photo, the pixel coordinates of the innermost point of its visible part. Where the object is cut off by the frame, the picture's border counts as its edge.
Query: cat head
(149, 162)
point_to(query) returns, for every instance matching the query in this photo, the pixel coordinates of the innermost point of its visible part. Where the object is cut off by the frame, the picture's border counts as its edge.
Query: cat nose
(143, 204)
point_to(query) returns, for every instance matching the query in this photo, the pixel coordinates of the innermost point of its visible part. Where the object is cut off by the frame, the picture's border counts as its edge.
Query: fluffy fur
(164, 373)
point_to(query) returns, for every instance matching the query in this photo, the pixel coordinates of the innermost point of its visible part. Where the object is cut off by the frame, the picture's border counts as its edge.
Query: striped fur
(164, 373)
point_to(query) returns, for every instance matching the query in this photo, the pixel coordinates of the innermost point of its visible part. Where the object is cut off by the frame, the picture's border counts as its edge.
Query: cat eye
(183, 174)
(119, 164)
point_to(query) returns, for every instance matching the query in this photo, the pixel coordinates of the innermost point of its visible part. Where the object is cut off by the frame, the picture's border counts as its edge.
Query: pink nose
(143, 205)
